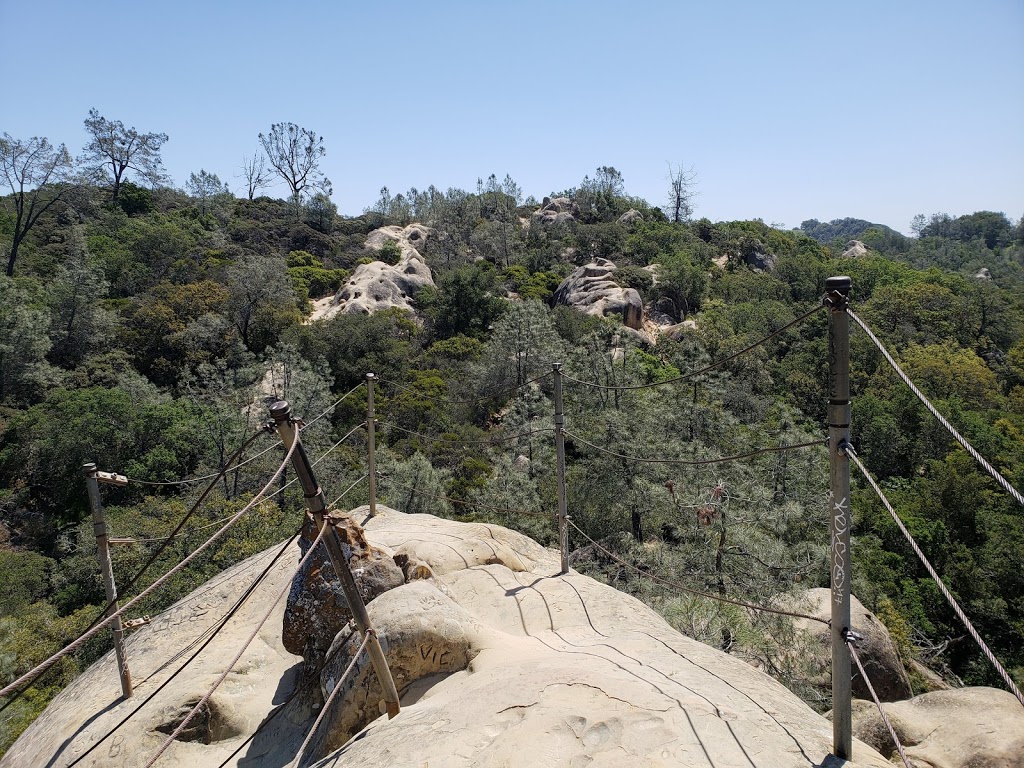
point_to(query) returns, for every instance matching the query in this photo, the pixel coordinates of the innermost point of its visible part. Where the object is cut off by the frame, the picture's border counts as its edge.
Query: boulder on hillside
(761, 260)
(853, 249)
(377, 286)
(983, 274)
(877, 651)
(959, 728)
(592, 290)
(556, 210)
(632, 216)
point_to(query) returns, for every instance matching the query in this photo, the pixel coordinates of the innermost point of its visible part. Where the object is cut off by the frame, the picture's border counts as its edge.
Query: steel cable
(205, 639)
(471, 400)
(706, 368)
(871, 689)
(491, 441)
(696, 592)
(331, 407)
(935, 576)
(934, 412)
(39, 669)
(330, 698)
(466, 503)
(252, 636)
(696, 462)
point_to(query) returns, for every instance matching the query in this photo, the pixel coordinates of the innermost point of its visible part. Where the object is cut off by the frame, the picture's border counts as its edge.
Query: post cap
(371, 376)
(89, 467)
(280, 410)
(839, 284)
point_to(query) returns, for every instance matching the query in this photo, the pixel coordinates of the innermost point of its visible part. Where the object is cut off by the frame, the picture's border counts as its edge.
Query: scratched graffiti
(840, 528)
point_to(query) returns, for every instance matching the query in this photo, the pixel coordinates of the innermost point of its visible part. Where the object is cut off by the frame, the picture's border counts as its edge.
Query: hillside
(146, 335)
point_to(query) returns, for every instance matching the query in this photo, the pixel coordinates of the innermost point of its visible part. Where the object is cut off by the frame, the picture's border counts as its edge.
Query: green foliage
(465, 301)
(390, 253)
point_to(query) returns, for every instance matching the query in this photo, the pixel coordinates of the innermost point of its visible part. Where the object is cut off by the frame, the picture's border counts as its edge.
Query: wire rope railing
(471, 400)
(245, 645)
(705, 369)
(696, 462)
(203, 641)
(1007, 486)
(935, 576)
(698, 593)
(310, 422)
(110, 618)
(330, 699)
(463, 502)
(851, 643)
(491, 441)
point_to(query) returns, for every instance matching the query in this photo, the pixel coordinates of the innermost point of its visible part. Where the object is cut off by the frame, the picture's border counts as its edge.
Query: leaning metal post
(563, 518)
(316, 504)
(99, 525)
(837, 298)
(371, 459)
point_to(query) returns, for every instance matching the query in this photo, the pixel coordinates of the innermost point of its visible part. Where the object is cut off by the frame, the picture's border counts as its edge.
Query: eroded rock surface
(377, 286)
(557, 210)
(961, 728)
(592, 290)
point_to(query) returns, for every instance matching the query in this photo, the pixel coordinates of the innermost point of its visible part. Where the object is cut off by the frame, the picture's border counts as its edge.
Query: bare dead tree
(256, 174)
(681, 191)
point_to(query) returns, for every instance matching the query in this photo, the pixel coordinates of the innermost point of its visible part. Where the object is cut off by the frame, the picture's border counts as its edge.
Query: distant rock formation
(591, 289)
(853, 249)
(377, 286)
(960, 728)
(632, 216)
(983, 274)
(556, 210)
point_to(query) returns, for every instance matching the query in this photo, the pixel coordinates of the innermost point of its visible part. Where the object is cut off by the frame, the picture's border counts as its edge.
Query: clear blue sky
(787, 111)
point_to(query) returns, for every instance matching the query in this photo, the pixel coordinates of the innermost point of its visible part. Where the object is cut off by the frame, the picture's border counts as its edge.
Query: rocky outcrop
(983, 274)
(499, 659)
(377, 286)
(853, 249)
(963, 728)
(630, 217)
(592, 290)
(877, 651)
(317, 610)
(556, 210)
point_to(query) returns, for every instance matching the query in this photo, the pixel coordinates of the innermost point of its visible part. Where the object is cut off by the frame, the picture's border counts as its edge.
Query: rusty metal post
(317, 505)
(99, 525)
(837, 298)
(371, 458)
(563, 515)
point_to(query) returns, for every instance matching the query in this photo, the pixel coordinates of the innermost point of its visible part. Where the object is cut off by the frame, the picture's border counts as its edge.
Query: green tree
(37, 174)
(23, 345)
(113, 150)
(206, 187)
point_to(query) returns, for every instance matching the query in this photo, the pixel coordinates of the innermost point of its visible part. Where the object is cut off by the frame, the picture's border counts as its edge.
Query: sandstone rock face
(558, 210)
(853, 249)
(377, 286)
(317, 610)
(590, 289)
(500, 661)
(962, 728)
(877, 651)
(503, 662)
(764, 262)
(983, 274)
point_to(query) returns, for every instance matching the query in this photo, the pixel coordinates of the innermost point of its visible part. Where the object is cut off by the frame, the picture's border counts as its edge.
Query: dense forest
(145, 327)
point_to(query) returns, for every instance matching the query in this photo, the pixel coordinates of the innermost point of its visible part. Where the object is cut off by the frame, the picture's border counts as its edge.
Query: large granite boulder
(592, 290)
(557, 210)
(961, 728)
(877, 651)
(377, 286)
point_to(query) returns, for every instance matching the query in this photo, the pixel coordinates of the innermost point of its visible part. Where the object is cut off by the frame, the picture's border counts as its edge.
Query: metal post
(837, 298)
(317, 505)
(99, 526)
(371, 461)
(563, 517)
